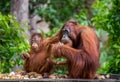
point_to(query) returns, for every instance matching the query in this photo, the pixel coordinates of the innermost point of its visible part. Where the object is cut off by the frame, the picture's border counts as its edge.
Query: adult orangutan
(38, 58)
(81, 48)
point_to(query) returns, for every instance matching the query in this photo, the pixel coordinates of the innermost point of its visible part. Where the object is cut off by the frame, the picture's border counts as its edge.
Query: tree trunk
(19, 9)
(88, 7)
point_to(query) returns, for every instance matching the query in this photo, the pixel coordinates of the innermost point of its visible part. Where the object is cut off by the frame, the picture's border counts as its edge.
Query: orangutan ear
(73, 21)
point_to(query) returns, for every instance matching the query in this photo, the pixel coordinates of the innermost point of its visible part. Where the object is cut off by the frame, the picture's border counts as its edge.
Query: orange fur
(39, 60)
(83, 56)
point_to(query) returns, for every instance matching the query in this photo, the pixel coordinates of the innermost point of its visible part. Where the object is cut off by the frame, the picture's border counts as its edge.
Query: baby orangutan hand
(25, 55)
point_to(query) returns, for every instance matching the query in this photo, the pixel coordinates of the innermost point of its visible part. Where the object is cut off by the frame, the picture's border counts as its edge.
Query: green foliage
(82, 18)
(59, 11)
(113, 28)
(53, 32)
(101, 11)
(12, 43)
(5, 6)
(60, 70)
(108, 18)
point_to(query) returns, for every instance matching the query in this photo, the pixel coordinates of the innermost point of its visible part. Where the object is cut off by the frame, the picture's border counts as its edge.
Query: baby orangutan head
(35, 41)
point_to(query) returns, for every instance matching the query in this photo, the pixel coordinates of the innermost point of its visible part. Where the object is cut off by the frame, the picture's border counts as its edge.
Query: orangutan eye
(66, 30)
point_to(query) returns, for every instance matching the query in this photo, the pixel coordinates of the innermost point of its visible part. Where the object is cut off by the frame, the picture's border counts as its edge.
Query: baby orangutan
(39, 58)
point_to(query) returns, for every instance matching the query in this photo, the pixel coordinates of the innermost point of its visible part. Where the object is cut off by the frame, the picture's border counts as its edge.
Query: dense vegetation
(108, 19)
(12, 43)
